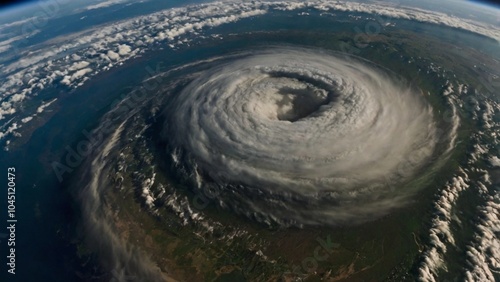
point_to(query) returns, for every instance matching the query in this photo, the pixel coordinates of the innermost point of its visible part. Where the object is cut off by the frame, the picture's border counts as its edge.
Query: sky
(5, 3)
(493, 2)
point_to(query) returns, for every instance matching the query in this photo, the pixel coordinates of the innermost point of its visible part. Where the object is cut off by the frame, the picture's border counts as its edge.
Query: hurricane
(302, 126)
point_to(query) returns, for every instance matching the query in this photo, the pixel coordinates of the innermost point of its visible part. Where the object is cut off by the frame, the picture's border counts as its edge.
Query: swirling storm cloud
(302, 126)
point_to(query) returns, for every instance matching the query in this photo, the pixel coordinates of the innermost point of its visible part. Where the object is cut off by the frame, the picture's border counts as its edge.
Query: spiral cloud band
(271, 131)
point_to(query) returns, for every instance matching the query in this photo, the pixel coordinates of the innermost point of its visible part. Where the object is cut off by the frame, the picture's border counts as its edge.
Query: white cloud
(79, 65)
(27, 119)
(6, 110)
(483, 255)
(66, 80)
(124, 49)
(18, 98)
(42, 107)
(105, 4)
(440, 233)
(80, 73)
(494, 161)
(10, 130)
(113, 55)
